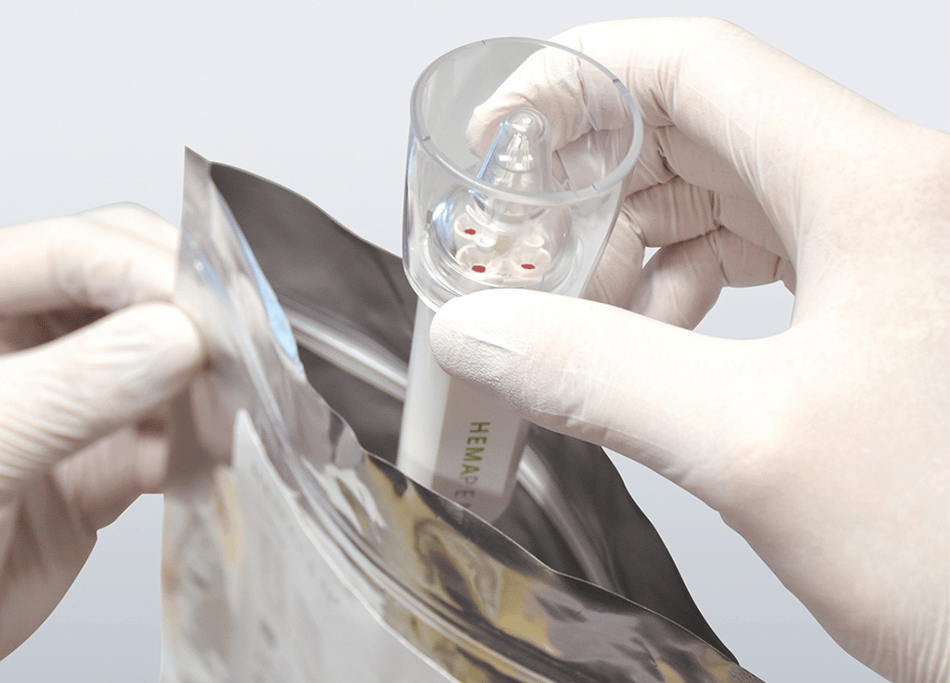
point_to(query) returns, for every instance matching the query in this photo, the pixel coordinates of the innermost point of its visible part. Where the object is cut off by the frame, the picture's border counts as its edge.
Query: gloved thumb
(606, 375)
(57, 398)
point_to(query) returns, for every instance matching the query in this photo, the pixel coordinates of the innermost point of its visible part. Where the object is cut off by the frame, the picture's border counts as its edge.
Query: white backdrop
(100, 97)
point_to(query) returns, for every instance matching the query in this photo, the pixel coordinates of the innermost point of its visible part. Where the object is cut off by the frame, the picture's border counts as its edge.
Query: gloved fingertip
(159, 338)
(470, 336)
(447, 330)
(95, 380)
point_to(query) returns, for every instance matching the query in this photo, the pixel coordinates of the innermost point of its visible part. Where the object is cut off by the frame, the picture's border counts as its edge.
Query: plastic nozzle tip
(519, 158)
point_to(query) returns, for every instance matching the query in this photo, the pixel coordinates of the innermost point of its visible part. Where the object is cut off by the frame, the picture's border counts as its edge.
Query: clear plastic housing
(511, 215)
(533, 209)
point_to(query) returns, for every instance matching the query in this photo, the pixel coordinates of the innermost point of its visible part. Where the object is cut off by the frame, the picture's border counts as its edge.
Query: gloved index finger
(102, 259)
(750, 104)
(547, 82)
(62, 396)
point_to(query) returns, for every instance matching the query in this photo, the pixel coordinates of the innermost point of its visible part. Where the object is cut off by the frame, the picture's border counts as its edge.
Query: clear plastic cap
(521, 213)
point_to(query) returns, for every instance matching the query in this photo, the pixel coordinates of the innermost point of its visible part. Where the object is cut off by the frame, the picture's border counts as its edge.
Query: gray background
(100, 97)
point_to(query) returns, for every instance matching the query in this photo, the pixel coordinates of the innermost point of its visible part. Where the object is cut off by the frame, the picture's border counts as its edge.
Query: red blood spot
(527, 266)
(478, 269)
(470, 231)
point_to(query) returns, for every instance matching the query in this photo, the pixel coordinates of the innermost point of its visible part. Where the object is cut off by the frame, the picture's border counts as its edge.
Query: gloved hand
(826, 446)
(81, 430)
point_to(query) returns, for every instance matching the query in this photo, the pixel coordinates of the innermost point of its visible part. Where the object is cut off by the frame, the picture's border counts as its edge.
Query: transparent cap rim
(605, 184)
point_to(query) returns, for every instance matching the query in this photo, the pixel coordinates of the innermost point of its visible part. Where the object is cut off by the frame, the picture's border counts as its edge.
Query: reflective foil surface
(294, 550)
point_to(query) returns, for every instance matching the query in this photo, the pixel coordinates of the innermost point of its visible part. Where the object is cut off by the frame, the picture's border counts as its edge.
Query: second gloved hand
(825, 447)
(89, 354)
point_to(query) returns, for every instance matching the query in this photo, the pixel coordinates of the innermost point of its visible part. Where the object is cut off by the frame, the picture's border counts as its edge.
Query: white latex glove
(81, 433)
(825, 447)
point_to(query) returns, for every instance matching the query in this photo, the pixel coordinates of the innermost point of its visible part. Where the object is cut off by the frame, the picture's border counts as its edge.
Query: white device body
(455, 438)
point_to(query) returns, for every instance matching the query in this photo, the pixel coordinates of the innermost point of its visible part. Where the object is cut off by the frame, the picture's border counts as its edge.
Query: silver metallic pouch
(294, 551)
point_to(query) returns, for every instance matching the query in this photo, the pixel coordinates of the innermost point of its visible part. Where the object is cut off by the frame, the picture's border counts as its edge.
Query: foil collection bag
(293, 550)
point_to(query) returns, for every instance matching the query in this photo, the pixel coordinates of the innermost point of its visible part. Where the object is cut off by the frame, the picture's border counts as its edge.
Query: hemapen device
(517, 214)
